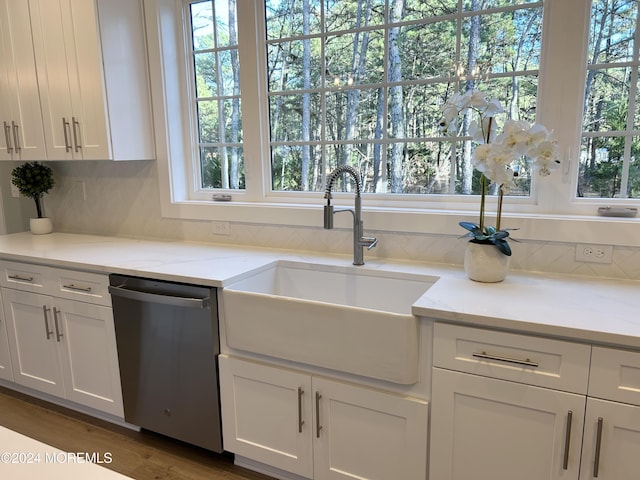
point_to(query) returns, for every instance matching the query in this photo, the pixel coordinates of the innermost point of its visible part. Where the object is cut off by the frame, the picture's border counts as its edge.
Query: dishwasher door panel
(168, 368)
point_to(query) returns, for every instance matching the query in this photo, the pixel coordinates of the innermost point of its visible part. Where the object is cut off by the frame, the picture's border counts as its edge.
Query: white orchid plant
(495, 155)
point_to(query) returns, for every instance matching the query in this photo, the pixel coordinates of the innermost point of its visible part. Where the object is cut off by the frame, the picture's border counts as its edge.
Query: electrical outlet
(15, 193)
(221, 228)
(594, 253)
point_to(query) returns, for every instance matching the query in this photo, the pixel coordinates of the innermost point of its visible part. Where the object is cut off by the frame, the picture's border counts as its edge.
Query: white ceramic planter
(40, 226)
(485, 263)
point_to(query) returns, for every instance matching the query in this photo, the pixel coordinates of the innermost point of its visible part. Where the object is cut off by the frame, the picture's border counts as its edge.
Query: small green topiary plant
(33, 180)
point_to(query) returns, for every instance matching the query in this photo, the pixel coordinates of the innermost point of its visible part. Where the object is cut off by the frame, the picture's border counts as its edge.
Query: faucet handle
(368, 242)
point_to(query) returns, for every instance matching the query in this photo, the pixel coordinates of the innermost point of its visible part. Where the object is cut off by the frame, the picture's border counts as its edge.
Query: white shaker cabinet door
(368, 434)
(488, 429)
(86, 337)
(32, 341)
(22, 136)
(68, 59)
(5, 356)
(611, 448)
(266, 414)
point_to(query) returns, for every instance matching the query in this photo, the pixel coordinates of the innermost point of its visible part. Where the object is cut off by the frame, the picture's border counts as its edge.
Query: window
(610, 150)
(301, 75)
(360, 82)
(215, 70)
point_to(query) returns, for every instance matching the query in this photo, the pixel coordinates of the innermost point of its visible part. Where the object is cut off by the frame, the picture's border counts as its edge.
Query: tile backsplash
(122, 198)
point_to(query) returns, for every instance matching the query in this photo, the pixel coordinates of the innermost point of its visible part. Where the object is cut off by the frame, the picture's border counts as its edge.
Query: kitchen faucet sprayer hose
(338, 171)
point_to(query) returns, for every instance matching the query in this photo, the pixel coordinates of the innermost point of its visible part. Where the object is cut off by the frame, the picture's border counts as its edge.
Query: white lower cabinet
(320, 428)
(489, 429)
(6, 372)
(32, 340)
(493, 416)
(64, 348)
(611, 449)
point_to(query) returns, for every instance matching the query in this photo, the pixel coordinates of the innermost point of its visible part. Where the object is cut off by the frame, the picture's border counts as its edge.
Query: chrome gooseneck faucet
(359, 241)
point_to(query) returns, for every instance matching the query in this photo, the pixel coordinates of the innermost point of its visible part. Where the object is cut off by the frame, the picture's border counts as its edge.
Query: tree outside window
(360, 83)
(610, 150)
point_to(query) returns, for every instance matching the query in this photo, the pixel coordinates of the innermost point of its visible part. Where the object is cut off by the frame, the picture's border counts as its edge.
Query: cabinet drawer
(615, 375)
(509, 356)
(25, 276)
(81, 286)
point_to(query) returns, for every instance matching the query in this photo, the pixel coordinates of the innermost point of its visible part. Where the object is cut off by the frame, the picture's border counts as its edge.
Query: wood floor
(139, 455)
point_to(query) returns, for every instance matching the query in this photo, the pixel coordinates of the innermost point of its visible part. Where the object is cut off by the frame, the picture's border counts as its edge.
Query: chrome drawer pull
(55, 323)
(20, 278)
(567, 441)
(7, 137)
(46, 321)
(318, 426)
(16, 137)
(71, 286)
(300, 421)
(526, 362)
(66, 130)
(596, 461)
(76, 127)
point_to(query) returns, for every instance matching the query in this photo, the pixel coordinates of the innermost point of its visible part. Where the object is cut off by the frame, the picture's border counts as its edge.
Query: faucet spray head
(328, 214)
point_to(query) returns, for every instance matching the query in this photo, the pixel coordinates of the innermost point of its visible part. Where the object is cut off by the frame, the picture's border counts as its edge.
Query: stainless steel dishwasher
(167, 338)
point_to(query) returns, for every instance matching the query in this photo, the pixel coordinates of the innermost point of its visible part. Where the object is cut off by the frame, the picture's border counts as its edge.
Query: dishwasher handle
(176, 301)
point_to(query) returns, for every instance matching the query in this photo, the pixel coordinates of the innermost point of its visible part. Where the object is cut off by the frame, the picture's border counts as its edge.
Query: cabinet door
(5, 357)
(89, 357)
(367, 434)
(614, 429)
(90, 132)
(67, 52)
(266, 414)
(32, 341)
(20, 115)
(488, 429)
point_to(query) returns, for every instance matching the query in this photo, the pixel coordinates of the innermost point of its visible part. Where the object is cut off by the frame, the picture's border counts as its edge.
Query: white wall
(122, 198)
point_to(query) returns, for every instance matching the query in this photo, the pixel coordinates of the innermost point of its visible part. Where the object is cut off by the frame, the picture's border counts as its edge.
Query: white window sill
(535, 227)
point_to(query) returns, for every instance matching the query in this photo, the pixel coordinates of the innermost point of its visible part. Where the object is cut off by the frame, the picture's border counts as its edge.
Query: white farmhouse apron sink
(349, 319)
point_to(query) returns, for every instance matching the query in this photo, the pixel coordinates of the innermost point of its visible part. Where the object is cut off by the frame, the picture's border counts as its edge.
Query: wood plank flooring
(139, 455)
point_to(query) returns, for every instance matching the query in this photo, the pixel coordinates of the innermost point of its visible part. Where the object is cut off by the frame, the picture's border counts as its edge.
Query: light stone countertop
(27, 459)
(585, 309)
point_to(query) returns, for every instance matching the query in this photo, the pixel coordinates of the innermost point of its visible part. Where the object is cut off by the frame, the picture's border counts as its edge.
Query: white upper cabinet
(93, 79)
(22, 136)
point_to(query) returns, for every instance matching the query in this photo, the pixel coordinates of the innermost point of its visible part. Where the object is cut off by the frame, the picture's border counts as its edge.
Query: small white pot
(40, 226)
(485, 263)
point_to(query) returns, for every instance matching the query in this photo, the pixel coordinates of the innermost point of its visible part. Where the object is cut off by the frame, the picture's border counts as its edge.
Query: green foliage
(488, 235)
(332, 81)
(354, 86)
(33, 180)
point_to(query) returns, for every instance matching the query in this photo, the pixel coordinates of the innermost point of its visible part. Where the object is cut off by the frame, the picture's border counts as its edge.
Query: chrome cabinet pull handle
(71, 286)
(300, 421)
(7, 137)
(59, 335)
(16, 137)
(46, 322)
(526, 362)
(20, 278)
(567, 441)
(596, 462)
(318, 426)
(66, 129)
(76, 128)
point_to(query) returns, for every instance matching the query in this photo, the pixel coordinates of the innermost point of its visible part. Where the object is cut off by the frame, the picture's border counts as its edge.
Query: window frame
(552, 213)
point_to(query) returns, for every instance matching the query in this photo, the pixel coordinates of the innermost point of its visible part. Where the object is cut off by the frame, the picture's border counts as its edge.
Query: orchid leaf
(489, 235)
